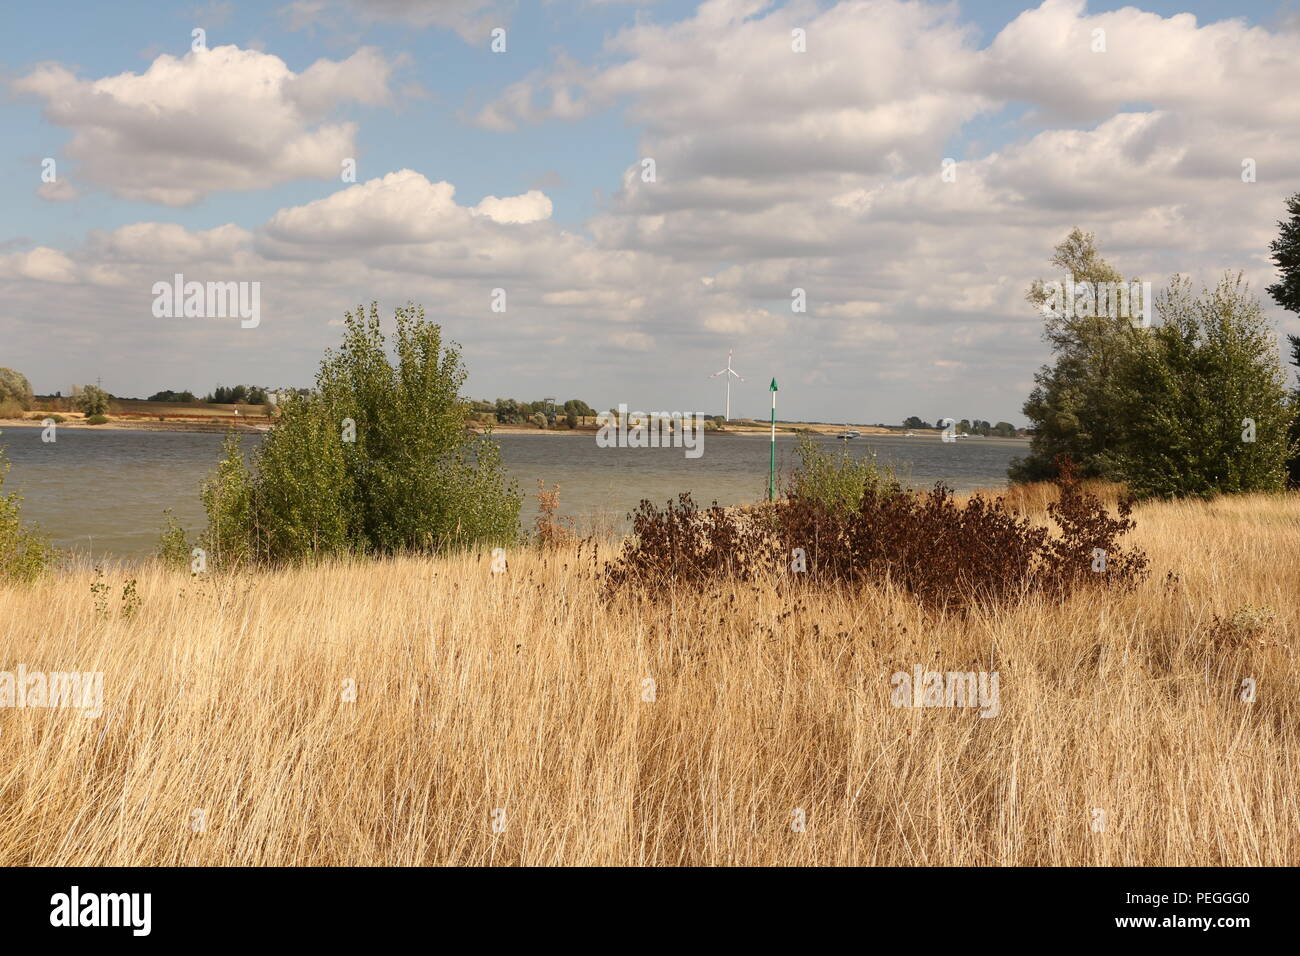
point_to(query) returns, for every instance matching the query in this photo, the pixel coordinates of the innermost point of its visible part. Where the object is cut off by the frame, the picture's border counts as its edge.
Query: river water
(103, 492)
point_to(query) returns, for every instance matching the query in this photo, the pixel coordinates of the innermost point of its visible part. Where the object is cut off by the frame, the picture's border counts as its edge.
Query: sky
(648, 183)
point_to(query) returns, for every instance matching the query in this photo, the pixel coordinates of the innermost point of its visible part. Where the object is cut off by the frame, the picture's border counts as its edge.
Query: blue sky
(428, 135)
(597, 274)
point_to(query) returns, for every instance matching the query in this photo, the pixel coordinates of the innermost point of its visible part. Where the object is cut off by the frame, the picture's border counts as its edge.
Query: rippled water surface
(103, 492)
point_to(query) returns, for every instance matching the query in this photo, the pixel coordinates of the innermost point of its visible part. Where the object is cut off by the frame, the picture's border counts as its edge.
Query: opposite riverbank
(135, 425)
(198, 426)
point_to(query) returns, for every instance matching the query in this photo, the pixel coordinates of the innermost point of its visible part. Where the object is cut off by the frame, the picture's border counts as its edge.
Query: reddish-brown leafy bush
(945, 553)
(681, 543)
(1086, 528)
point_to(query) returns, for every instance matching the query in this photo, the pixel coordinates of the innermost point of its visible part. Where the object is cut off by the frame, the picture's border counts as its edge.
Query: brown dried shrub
(549, 531)
(1249, 626)
(947, 554)
(683, 544)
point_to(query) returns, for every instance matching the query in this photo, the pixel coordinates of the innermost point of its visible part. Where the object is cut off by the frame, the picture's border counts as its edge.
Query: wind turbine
(728, 371)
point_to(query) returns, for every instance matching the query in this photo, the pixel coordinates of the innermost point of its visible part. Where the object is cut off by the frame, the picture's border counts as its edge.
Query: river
(103, 493)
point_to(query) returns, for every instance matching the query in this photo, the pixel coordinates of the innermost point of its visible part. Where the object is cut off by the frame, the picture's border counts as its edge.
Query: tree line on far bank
(16, 397)
(1196, 405)
(544, 413)
(968, 427)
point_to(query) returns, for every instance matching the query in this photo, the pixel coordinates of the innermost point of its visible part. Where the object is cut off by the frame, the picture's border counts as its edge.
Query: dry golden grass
(524, 692)
(1034, 497)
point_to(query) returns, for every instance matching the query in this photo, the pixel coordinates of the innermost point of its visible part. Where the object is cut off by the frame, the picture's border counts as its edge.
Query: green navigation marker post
(771, 468)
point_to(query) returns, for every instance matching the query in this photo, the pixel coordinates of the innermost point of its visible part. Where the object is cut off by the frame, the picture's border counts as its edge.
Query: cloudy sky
(774, 169)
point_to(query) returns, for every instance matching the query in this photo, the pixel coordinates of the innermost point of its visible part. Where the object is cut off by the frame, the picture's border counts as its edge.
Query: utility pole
(771, 468)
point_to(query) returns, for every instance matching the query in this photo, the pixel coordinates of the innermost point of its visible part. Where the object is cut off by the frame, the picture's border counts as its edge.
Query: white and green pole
(771, 468)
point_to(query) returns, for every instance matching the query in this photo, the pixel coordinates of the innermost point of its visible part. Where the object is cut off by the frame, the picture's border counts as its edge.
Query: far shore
(137, 426)
(747, 429)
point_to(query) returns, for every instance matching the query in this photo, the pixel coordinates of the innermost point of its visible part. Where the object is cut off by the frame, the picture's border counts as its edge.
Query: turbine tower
(728, 371)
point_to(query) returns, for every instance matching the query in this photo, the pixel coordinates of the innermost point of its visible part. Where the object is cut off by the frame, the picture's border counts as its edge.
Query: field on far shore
(430, 711)
(151, 416)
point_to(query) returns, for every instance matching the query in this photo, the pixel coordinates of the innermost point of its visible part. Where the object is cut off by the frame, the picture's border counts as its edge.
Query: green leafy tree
(913, 421)
(578, 407)
(1203, 400)
(1286, 293)
(838, 480)
(237, 395)
(15, 391)
(92, 401)
(24, 553)
(377, 459)
(232, 534)
(1073, 406)
(167, 395)
(1293, 463)
(1286, 256)
(173, 544)
(508, 411)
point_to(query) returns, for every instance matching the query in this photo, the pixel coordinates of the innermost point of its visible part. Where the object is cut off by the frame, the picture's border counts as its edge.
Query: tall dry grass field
(502, 719)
